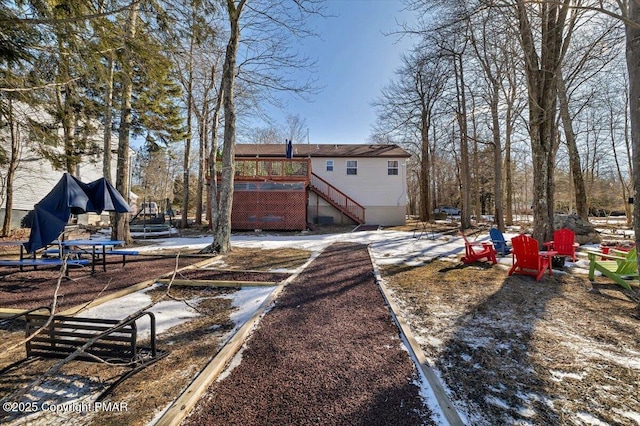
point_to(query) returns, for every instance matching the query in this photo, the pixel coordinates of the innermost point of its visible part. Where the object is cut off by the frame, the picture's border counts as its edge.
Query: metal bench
(110, 342)
(119, 252)
(123, 253)
(42, 262)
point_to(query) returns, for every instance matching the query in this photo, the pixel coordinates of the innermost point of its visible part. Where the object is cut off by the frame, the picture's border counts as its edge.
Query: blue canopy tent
(105, 197)
(71, 196)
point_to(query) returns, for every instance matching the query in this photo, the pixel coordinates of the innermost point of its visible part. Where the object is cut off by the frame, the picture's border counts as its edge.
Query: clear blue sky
(355, 61)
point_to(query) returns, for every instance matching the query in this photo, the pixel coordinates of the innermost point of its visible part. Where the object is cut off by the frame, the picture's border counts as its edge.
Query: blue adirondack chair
(498, 242)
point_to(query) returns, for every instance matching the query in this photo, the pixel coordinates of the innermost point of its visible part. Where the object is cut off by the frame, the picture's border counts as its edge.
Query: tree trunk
(633, 68)
(64, 106)
(476, 175)
(205, 189)
(425, 167)
(627, 143)
(582, 208)
(11, 172)
(222, 235)
(508, 179)
(432, 149)
(541, 73)
(202, 144)
(187, 143)
(106, 156)
(465, 173)
(508, 168)
(543, 136)
(497, 157)
(67, 129)
(121, 230)
(213, 158)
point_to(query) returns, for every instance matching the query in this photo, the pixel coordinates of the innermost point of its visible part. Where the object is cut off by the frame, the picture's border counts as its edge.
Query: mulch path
(327, 353)
(31, 289)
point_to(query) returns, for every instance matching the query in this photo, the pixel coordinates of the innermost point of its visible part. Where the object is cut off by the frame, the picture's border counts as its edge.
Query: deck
(271, 169)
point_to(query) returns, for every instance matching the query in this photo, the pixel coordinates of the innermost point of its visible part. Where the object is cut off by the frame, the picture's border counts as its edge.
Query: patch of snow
(589, 419)
(466, 357)
(235, 361)
(632, 415)
(526, 411)
(66, 397)
(177, 243)
(498, 388)
(431, 340)
(559, 376)
(168, 313)
(284, 271)
(150, 234)
(497, 402)
(429, 399)
(247, 300)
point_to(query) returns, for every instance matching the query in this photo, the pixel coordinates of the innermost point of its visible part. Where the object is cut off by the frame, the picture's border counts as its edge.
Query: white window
(352, 167)
(392, 167)
(329, 165)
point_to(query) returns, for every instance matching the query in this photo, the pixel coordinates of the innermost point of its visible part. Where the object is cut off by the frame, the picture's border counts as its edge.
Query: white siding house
(378, 184)
(35, 176)
(374, 176)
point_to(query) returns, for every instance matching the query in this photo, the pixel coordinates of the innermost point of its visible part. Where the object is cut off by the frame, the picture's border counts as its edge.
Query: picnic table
(15, 243)
(78, 245)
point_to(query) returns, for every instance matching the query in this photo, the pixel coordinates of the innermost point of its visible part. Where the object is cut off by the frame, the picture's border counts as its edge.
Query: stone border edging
(414, 349)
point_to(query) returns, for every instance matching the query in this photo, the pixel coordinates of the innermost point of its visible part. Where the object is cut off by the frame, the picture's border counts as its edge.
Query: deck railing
(338, 199)
(289, 169)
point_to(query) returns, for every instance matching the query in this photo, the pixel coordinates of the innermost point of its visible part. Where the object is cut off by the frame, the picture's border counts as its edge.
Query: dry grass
(515, 351)
(265, 260)
(413, 224)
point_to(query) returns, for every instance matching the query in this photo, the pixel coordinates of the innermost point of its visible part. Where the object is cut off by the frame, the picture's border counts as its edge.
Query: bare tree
(410, 102)
(273, 23)
(222, 232)
(296, 128)
(487, 38)
(266, 135)
(461, 116)
(514, 106)
(542, 64)
(632, 28)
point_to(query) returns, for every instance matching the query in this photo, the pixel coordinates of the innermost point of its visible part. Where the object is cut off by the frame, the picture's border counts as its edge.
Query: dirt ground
(511, 350)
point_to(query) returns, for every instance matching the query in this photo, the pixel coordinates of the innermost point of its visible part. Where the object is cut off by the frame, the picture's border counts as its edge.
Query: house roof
(315, 150)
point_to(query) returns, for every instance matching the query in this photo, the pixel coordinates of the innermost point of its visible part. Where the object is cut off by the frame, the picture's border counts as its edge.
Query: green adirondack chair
(615, 267)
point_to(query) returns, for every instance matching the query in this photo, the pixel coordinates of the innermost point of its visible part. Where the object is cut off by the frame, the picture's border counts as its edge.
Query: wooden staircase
(338, 199)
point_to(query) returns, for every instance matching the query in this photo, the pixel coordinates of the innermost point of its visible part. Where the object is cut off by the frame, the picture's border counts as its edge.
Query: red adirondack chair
(563, 243)
(527, 259)
(478, 250)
